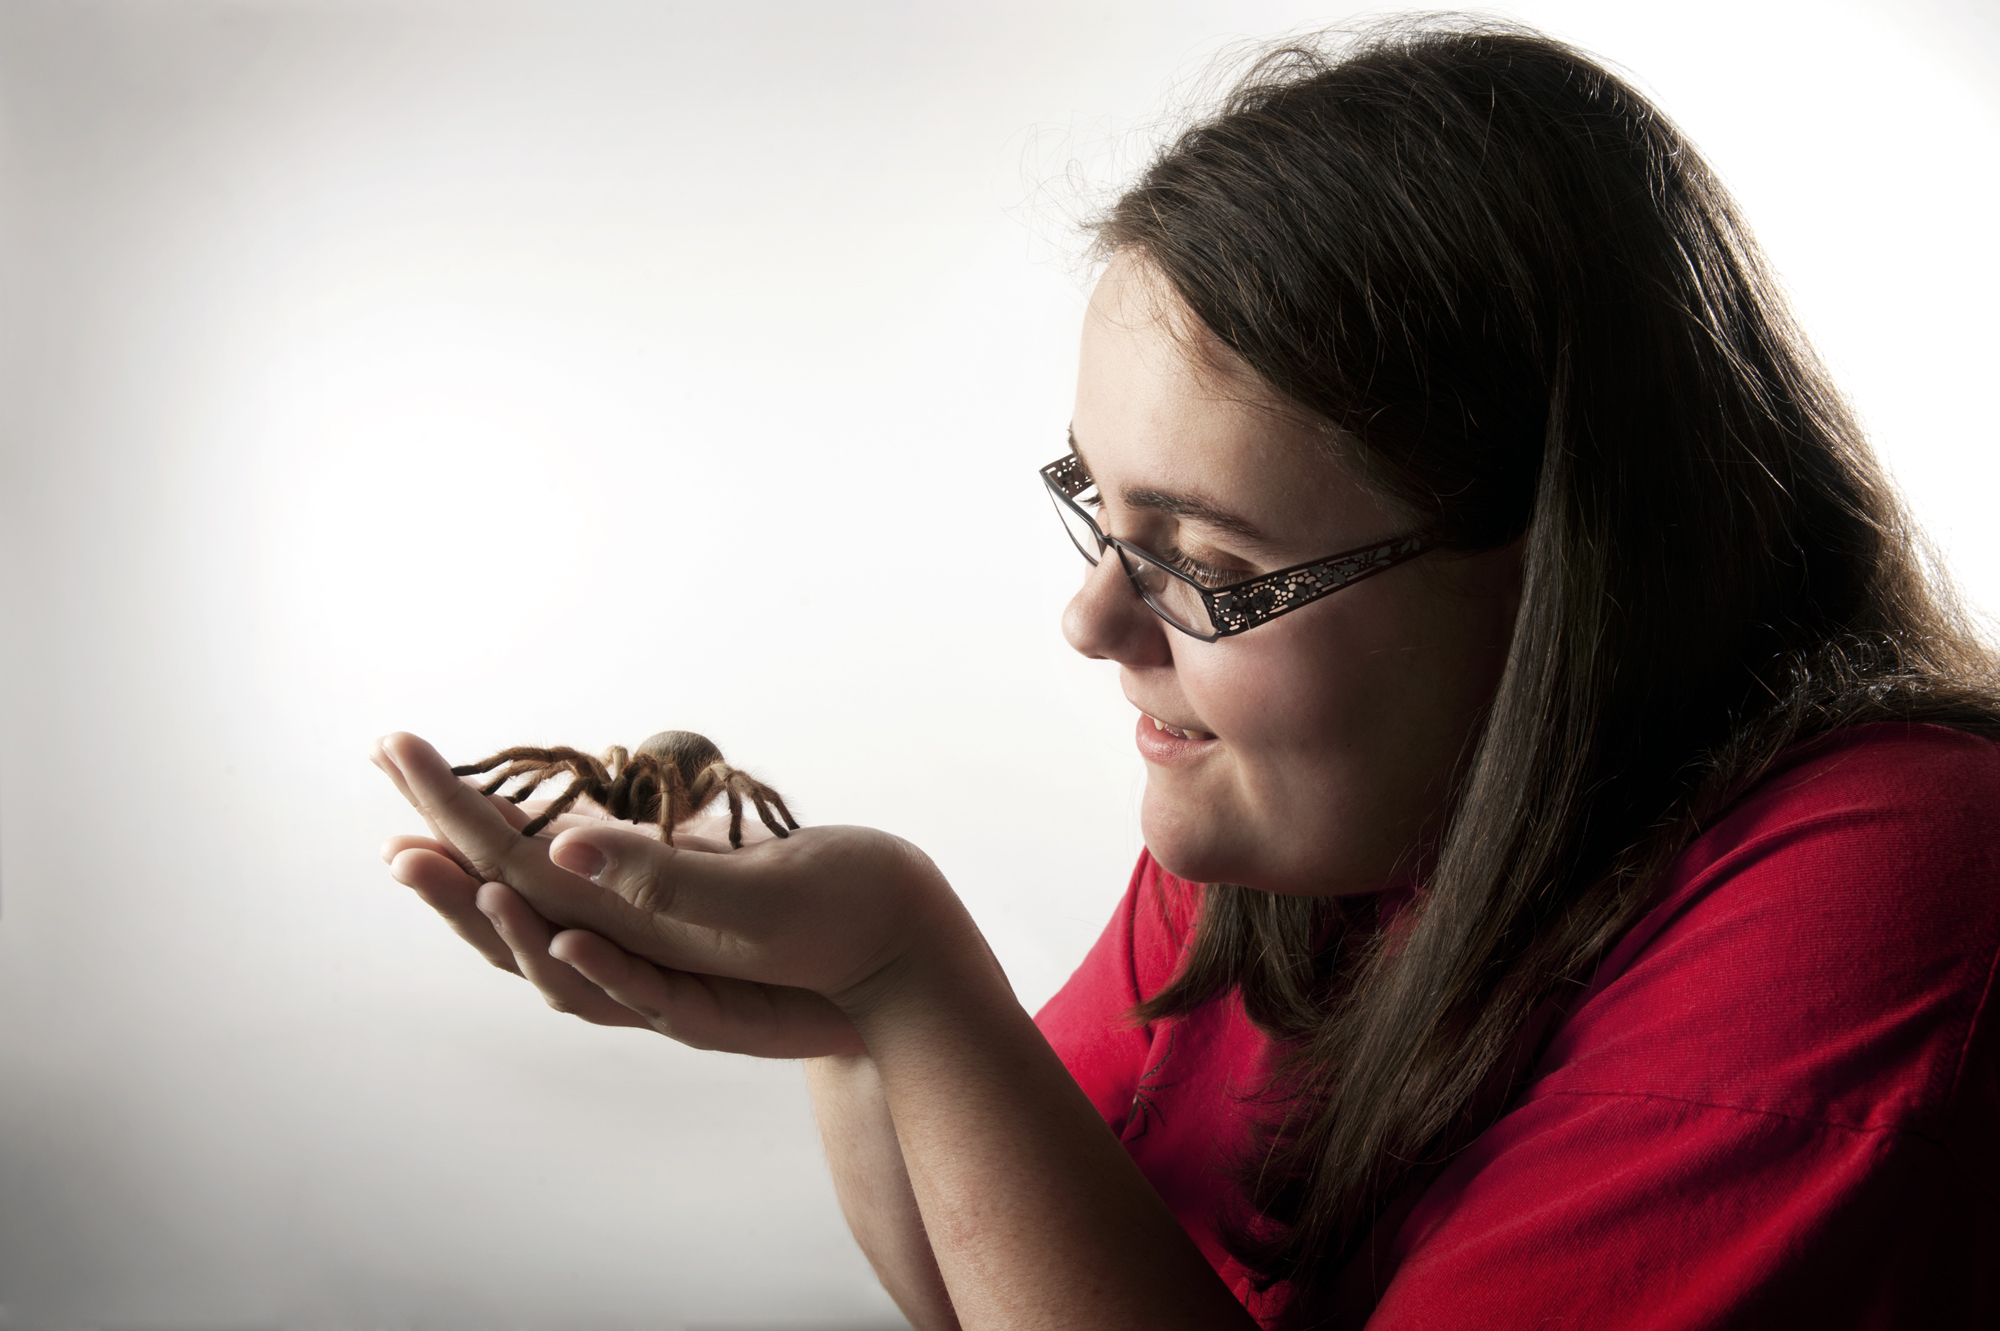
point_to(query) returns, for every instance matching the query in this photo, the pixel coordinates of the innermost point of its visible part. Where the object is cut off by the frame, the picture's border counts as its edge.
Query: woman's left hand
(763, 950)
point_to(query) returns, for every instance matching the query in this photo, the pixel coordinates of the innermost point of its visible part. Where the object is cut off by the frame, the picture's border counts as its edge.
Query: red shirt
(1776, 1104)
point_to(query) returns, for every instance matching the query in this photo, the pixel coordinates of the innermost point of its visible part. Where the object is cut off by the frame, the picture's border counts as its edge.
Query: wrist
(946, 974)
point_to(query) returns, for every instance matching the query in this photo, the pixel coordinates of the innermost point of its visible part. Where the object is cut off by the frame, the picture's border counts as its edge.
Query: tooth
(1157, 723)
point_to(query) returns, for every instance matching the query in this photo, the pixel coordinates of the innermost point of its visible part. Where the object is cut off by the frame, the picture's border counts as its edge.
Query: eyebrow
(1182, 506)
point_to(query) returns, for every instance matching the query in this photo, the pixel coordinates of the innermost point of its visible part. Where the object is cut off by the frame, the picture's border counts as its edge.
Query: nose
(1106, 620)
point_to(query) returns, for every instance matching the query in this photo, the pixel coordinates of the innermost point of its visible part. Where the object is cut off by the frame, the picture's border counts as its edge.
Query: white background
(566, 372)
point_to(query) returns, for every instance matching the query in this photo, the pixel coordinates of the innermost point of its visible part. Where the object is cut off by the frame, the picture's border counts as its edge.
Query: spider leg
(514, 755)
(582, 766)
(622, 777)
(647, 792)
(596, 780)
(521, 761)
(779, 801)
(644, 797)
(735, 815)
(677, 805)
(514, 768)
(631, 793)
(536, 774)
(702, 788)
(561, 805)
(783, 812)
(758, 791)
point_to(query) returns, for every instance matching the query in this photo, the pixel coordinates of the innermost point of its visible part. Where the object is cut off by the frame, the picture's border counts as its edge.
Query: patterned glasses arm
(1245, 605)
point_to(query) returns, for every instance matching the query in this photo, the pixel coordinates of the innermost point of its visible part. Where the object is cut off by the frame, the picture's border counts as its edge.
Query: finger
(518, 816)
(396, 845)
(465, 819)
(563, 987)
(496, 851)
(711, 1012)
(378, 755)
(448, 889)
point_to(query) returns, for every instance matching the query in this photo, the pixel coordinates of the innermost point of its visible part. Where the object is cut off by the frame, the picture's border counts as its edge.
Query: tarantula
(667, 780)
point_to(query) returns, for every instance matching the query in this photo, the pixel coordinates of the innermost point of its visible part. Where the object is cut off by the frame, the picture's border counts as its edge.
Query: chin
(1193, 848)
(1176, 862)
(1208, 849)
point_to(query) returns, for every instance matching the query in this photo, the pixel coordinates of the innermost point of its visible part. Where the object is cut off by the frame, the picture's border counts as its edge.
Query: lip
(1163, 746)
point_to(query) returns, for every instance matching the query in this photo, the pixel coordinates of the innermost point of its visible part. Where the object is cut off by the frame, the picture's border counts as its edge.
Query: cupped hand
(767, 950)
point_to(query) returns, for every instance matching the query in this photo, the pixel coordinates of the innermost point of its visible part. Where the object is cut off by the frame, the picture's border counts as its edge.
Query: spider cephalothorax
(667, 780)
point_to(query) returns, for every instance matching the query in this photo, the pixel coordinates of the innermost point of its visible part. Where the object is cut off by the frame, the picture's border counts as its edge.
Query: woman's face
(1313, 754)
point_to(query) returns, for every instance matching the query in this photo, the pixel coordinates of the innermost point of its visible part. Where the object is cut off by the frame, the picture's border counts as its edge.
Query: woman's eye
(1205, 574)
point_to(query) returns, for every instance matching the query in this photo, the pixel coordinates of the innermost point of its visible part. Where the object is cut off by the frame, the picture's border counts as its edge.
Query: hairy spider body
(666, 781)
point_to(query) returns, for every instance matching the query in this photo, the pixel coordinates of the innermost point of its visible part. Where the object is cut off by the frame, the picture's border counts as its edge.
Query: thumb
(651, 890)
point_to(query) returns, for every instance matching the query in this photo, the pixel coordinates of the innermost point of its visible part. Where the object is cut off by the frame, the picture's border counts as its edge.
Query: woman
(1568, 892)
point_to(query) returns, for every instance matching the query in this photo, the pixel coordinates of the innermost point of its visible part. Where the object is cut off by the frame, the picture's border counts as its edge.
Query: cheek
(1341, 731)
(1269, 697)
(1310, 717)
(1295, 801)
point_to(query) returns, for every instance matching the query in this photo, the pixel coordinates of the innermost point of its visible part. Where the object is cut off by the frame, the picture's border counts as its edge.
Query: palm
(588, 976)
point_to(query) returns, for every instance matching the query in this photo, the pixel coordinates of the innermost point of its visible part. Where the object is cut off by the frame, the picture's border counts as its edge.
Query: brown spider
(667, 780)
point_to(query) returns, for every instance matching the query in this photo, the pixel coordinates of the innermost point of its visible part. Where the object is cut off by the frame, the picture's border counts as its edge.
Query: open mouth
(1177, 732)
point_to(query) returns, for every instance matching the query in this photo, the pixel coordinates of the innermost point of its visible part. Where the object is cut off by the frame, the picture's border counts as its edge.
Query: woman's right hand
(853, 914)
(1022, 1210)
(588, 976)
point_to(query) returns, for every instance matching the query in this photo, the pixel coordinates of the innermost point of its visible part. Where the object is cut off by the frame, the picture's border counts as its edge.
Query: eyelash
(1200, 572)
(1204, 574)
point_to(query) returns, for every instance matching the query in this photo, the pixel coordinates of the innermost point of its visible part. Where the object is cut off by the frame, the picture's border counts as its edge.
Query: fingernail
(580, 858)
(382, 752)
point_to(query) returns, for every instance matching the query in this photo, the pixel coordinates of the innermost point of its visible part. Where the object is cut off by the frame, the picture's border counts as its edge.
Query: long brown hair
(1522, 305)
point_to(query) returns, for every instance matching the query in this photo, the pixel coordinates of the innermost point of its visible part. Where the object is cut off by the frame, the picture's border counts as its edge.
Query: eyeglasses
(1209, 613)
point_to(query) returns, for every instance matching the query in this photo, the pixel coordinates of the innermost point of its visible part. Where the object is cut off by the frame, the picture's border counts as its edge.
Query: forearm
(867, 1165)
(1036, 1216)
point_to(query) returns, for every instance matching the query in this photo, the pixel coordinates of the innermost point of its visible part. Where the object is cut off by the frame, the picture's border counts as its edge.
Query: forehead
(1164, 405)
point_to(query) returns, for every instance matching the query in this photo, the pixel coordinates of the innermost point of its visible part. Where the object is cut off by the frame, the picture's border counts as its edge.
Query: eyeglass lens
(1079, 528)
(1171, 597)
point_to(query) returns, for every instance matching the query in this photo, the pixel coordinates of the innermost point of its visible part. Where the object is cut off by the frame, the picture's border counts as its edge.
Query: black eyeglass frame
(1239, 606)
